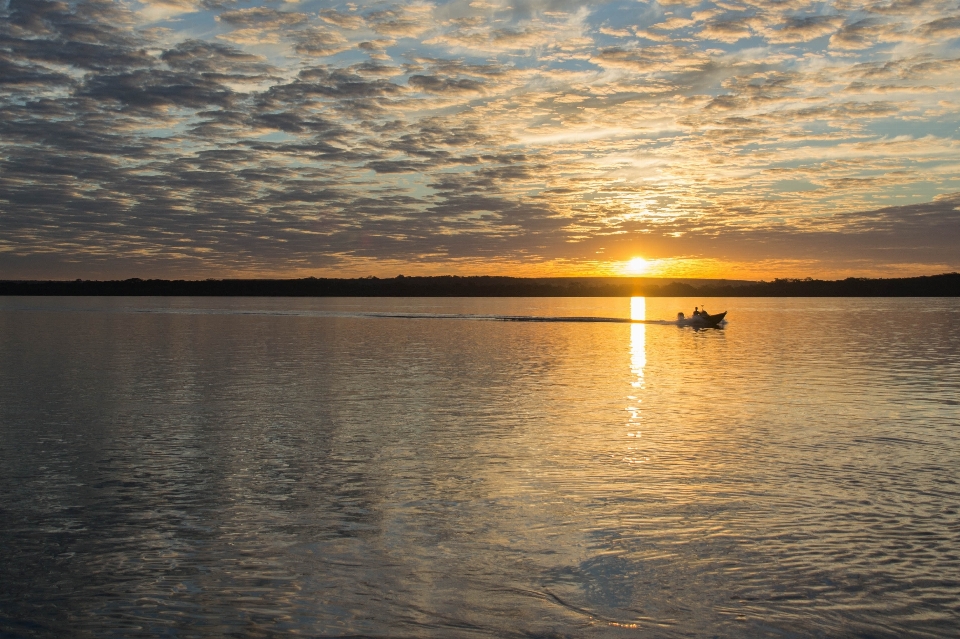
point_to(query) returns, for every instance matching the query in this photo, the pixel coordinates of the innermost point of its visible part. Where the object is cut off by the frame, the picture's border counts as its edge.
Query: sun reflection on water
(638, 360)
(638, 339)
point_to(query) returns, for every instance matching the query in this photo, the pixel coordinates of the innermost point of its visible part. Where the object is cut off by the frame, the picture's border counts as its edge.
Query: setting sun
(636, 266)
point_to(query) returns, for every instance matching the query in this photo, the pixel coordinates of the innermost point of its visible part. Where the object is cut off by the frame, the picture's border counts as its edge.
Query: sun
(636, 266)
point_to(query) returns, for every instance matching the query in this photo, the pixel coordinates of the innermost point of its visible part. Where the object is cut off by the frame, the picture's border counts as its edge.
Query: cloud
(343, 20)
(755, 90)
(436, 84)
(661, 59)
(400, 21)
(864, 34)
(90, 36)
(215, 60)
(726, 31)
(496, 39)
(902, 7)
(164, 9)
(376, 49)
(155, 89)
(264, 25)
(467, 134)
(618, 33)
(803, 29)
(374, 69)
(262, 17)
(319, 42)
(948, 27)
(26, 76)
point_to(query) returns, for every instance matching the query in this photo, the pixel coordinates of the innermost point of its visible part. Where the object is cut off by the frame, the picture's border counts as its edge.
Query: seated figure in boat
(696, 311)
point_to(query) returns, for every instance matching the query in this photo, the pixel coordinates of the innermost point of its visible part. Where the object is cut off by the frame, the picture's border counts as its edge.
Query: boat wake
(173, 310)
(611, 320)
(522, 318)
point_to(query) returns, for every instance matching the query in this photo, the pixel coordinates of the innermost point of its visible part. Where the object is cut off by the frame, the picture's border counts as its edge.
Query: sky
(744, 139)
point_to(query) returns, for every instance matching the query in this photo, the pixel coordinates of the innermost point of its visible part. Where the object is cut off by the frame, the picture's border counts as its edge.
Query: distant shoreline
(944, 285)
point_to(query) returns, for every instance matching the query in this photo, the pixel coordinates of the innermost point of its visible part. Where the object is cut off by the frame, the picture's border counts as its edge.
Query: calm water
(256, 468)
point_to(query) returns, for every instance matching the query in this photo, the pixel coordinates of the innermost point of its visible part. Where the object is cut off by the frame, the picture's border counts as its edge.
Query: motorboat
(702, 320)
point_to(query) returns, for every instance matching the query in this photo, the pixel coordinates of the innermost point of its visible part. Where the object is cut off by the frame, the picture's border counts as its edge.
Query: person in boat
(703, 311)
(696, 311)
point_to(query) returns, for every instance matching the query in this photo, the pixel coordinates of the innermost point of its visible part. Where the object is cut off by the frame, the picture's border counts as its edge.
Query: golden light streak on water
(638, 361)
(638, 339)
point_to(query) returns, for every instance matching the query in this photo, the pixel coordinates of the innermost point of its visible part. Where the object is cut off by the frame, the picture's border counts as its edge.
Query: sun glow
(636, 266)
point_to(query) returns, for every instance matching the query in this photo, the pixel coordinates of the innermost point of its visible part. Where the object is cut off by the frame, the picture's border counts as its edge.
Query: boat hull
(703, 321)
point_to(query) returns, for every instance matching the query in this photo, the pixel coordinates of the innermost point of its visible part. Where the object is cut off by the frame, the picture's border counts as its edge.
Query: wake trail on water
(519, 318)
(359, 314)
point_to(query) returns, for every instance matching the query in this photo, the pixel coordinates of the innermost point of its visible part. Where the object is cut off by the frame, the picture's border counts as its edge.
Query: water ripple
(261, 468)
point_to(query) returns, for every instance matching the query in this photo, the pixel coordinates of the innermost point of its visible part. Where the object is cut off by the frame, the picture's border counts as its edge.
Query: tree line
(947, 284)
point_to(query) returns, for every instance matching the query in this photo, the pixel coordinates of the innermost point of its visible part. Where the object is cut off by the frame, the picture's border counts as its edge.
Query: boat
(701, 321)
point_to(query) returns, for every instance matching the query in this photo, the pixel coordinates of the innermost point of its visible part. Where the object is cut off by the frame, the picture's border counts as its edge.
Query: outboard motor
(680, 315)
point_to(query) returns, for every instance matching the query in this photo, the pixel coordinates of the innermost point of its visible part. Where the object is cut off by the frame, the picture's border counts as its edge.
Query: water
(259, 468)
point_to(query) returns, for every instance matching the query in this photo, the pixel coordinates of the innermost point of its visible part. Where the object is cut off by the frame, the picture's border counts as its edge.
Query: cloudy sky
(741, 138)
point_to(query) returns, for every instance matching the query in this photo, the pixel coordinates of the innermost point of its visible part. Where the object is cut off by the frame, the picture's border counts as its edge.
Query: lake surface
(268, 467)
